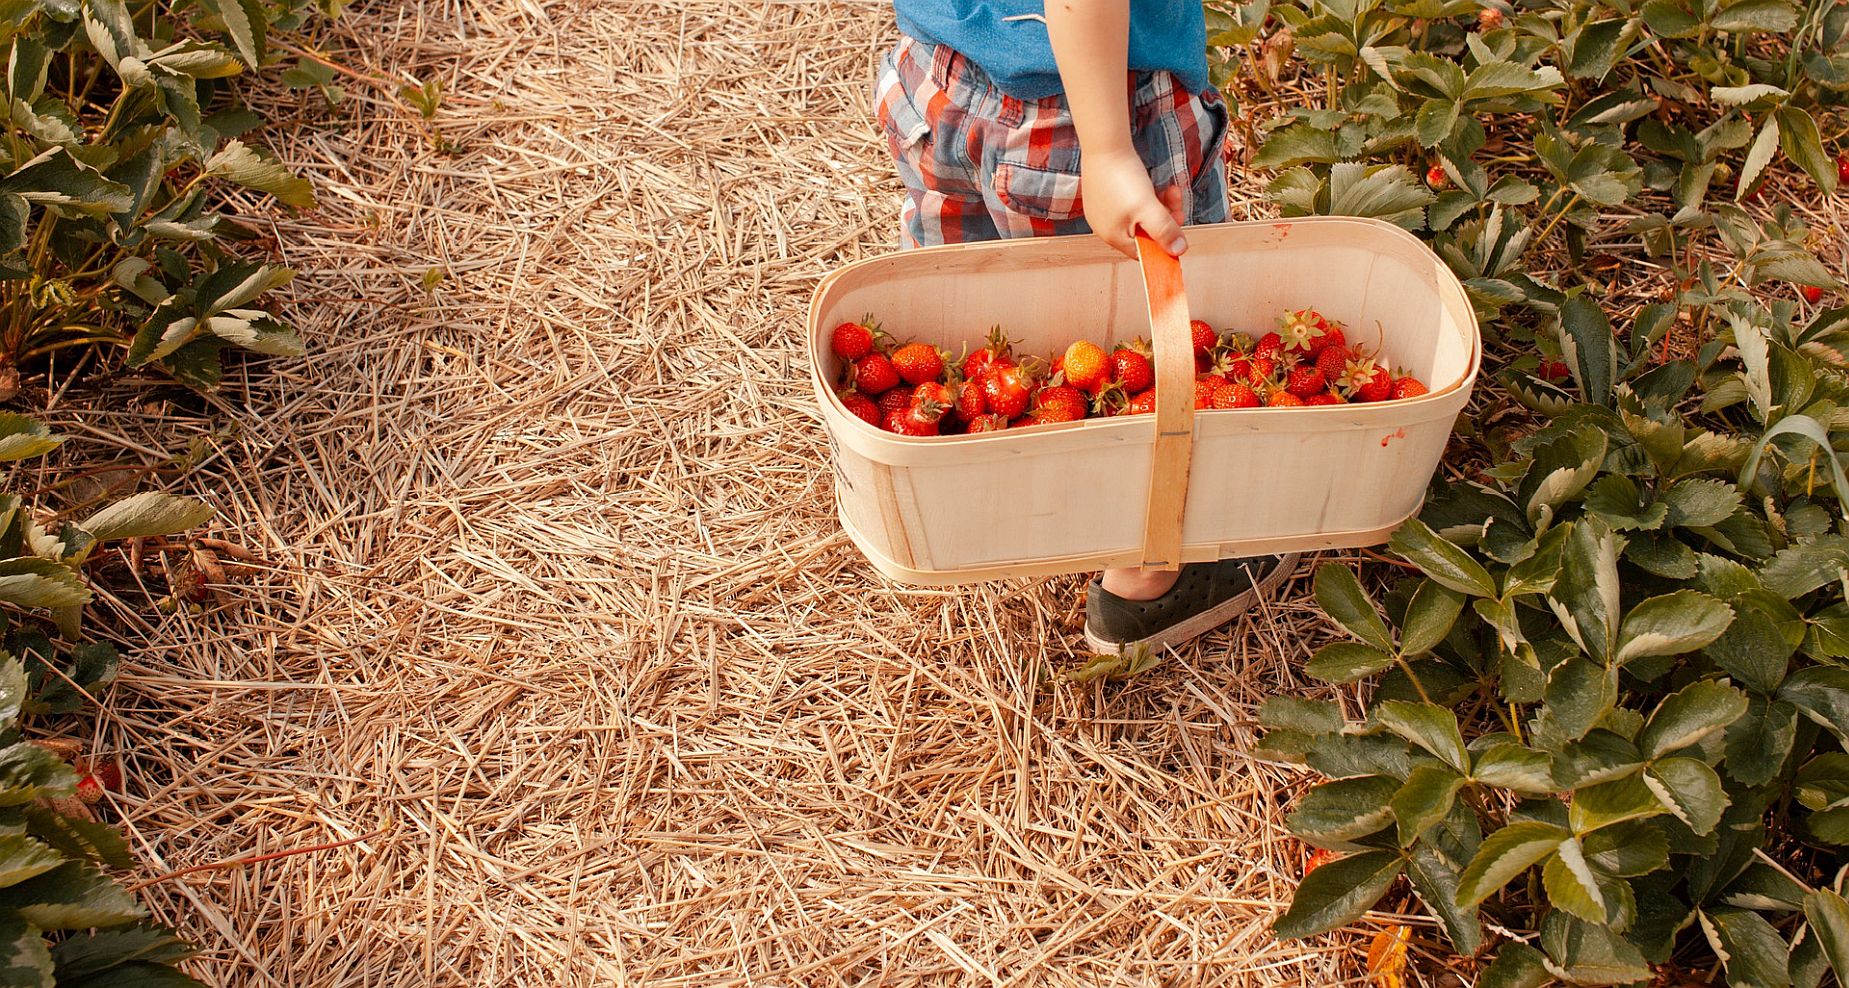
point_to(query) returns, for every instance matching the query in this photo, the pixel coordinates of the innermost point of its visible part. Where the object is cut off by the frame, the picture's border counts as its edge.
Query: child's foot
(1205, 596)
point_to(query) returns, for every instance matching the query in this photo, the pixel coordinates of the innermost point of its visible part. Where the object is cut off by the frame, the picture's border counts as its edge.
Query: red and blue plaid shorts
(979, 164)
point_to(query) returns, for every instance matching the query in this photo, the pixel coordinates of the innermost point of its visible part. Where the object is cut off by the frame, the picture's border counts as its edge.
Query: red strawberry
(1332, 337)
(1842, 168)
(1324, 398)
(1142, 404)
(896, 400)
(874, 374)
(1234, 394)
(1812, 293)
(1304, 380)
(1056, 412)
(999, 350)
(1260, 370)
(1408, 387)
(1131, 369)
(918, 362)
(1306, 331)
(906, 422)
(854, 340)
(89, 789)
(1318, 858)
(1062, 395)
(862, 406)
(1554, 370)
(1086, 366)
(1364, 380)
(1284, 399)
(930, 401)
(1333, 361)
(1204, 388)
(1270, 346)
(1008, 389)
(971, 404)
(1203, 334)
(988, 422)
(1435, 176)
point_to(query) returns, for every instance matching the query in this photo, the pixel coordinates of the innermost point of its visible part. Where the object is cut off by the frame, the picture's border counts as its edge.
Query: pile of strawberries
(915, 389)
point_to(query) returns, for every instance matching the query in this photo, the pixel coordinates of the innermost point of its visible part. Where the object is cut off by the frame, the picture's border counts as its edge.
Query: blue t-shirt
(1007, 39)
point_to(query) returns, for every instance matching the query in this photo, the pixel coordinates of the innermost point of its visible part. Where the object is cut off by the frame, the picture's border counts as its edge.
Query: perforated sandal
(1205, 596)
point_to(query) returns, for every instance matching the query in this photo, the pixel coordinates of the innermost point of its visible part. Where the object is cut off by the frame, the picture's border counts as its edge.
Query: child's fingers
(1162, 228)
(1174, 199)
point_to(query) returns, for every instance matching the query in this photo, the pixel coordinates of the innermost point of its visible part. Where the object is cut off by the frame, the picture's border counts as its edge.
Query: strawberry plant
(124, 123)
(1607, 734)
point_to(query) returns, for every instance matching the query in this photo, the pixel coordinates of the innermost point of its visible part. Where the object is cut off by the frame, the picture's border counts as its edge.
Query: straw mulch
(552, 603)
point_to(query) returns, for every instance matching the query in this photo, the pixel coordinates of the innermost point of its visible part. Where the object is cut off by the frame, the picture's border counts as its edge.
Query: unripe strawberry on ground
(1489, 19)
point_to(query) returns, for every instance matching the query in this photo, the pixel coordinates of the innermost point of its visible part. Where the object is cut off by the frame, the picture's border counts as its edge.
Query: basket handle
(1174, 365)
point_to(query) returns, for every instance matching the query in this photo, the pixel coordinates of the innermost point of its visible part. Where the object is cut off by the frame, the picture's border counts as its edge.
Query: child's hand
(1119, 200)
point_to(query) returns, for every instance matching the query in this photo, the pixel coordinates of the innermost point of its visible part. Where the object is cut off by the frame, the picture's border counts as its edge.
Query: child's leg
(922, 121)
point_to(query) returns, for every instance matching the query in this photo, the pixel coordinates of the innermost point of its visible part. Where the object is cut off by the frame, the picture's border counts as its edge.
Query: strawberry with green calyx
(1365, 381)
(1307, 332)
(931, 400)
(1008, 389)
(1056, 412)
(1261, 372)
(1142, 404)
(988, 422)
(907, 422)
(1131, 368)
(854, 340)
(1283, 399)
(1333, 362)
(1000, 350)
(874, 374)
(918, 362)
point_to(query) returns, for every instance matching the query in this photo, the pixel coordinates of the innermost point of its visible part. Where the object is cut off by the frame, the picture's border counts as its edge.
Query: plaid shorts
(979, 164)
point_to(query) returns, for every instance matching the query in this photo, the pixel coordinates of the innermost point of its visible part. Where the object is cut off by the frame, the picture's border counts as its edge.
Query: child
(986, 105)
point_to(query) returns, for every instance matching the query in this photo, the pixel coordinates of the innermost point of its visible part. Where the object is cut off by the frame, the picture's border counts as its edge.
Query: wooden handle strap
(1174, 364)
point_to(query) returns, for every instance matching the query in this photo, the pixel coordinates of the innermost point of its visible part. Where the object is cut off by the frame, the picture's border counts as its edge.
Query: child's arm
(1091, 44)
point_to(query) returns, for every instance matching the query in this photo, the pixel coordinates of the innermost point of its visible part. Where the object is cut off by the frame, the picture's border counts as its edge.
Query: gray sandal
(1205, 596)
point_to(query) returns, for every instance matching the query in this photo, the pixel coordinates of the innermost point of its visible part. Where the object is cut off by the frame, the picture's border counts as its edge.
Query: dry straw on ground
(553, 592)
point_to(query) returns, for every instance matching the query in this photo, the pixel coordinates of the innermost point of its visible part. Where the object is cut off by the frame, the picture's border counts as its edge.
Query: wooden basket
(1148, 490)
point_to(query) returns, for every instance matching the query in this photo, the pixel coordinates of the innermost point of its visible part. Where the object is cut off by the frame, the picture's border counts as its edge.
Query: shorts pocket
(1041, 193)
(904, 124)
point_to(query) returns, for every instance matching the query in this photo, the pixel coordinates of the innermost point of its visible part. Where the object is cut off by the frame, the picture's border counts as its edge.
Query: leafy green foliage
(63, 920)
(1611, 697)
(123, 124)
